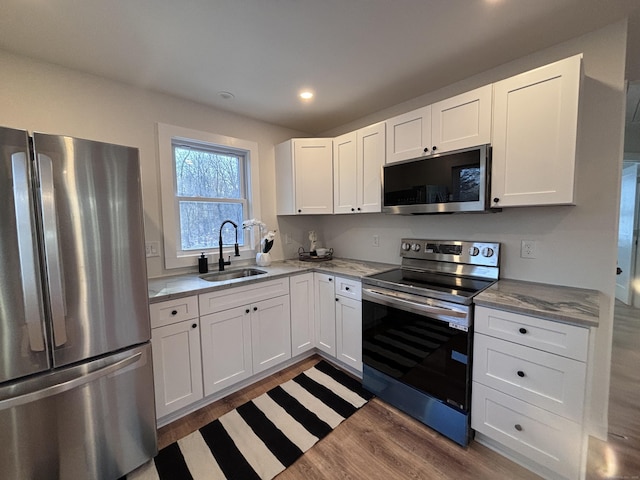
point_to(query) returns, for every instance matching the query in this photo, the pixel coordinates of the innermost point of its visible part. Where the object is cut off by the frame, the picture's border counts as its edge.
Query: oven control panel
(455, 251)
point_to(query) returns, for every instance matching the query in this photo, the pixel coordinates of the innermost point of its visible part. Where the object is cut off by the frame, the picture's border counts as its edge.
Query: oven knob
(487, 252)
(415, 247)
(473, 251)
(405, 246)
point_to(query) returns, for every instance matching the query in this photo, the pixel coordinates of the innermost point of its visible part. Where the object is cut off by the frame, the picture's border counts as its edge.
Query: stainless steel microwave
(449, 182)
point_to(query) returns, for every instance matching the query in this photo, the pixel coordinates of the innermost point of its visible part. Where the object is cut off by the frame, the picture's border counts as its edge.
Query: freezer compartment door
(23, 349)
(92, 220)
(95, 420)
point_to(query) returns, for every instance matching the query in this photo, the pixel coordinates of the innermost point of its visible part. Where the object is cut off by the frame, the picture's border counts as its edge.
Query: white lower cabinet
(246, 331)
(528, 394)
(270, 333)
(302, 313)
(338, 318)
(226, 348)
(349, 331)
(325, 313)
(177, 366)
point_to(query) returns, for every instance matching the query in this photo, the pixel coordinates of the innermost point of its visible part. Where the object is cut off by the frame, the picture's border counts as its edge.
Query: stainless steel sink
(231, 274)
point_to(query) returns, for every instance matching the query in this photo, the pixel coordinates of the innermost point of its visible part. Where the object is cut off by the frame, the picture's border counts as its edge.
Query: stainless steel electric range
(417, 323)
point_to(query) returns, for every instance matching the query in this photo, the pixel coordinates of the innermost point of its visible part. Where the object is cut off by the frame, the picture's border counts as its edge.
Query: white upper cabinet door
(408, 135)
(371, 153)
(345, 196)
(304, 176)
(535, 123)
(462, 121)
(313, 163)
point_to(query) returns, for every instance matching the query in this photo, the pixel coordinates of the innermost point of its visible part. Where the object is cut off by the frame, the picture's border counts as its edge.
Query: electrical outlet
(528, 249)
(152, 249)
(376, 240)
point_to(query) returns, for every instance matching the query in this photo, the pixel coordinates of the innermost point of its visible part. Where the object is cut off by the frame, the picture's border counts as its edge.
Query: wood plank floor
(378, 441)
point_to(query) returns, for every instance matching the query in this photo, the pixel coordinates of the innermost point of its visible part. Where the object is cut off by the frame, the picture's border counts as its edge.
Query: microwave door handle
(422, 308)
(52, 252)
(26, 255)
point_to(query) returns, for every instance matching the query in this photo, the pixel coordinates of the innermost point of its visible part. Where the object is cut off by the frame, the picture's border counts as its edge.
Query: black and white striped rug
(263, 437)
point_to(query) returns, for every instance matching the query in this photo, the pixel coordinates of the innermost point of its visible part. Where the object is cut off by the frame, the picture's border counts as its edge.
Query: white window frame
(174, 257)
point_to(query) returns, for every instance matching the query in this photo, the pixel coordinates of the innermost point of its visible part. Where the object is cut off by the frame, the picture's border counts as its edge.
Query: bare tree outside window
(210, 188)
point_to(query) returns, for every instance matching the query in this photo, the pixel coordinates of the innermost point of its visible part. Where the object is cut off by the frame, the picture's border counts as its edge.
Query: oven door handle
(440, 313)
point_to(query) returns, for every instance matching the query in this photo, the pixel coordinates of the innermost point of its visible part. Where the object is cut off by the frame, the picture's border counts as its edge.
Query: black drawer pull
(174, 312)
(346, 288)
(518, 427)
(520, 373)
(522, 330)
(194, 325)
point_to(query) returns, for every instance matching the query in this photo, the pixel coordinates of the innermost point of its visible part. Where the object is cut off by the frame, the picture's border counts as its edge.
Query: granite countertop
(165, 288)
(577, 306)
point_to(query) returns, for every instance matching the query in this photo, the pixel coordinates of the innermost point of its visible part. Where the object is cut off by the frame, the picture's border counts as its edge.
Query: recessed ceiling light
(306, 95)
(226, 95)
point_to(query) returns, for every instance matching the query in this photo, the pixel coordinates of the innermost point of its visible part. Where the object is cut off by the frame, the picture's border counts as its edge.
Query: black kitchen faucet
(221, 262)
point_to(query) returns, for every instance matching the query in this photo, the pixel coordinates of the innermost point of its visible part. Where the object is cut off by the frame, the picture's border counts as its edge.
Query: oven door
(420, 342)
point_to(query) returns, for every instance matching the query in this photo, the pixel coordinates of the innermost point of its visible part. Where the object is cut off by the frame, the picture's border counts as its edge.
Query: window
(205, 180)
(210, 188)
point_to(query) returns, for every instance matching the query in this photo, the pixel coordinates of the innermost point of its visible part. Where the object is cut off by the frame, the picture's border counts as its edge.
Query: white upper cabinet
(304, 176)
(535, 122)
(409, 135)
(358, 158)
(345, 197)
(461, 121)
(457, 122)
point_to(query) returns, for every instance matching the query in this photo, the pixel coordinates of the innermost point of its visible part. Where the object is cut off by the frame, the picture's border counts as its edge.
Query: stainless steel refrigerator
(76, 384)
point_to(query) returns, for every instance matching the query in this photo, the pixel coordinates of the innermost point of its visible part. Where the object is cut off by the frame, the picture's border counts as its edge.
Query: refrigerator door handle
(69, 385)
(22, 202)
(52, 252)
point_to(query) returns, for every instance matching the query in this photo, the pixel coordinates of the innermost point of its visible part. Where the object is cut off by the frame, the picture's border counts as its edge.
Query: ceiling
(359, 56)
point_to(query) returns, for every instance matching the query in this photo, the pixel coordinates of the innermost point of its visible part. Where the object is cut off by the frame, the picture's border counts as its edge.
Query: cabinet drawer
(543, 379)
(554, 337)
(220, 300)
(173, 311)
(548, 439)
(348, 288)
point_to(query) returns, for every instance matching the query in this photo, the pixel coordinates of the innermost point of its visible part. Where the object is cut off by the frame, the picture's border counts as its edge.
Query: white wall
(42, 97)
(576, 244)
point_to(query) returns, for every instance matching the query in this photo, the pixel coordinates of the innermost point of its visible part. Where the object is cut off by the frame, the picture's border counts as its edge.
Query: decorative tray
(307, 257)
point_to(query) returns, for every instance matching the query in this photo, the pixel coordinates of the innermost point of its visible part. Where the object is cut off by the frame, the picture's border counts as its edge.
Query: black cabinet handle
(496, 200)
(346, 288)
(331, 279)
(255, 309)
(247, 311)
(520, 373)
(194, 325)
(518, 427)
(358, 208)
(522, 330)
(299, 211)
(353, 209)
(174, 312)
(434, 148)
(426, 149)
(337, 299)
